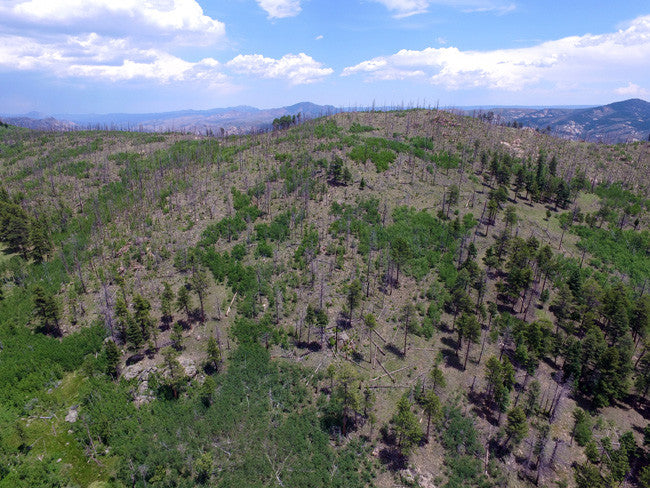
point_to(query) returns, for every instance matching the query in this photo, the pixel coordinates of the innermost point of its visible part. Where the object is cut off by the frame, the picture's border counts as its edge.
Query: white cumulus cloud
(298, 69)
(180, 20)
(406, 8)
(278, 9)
(113, 40)
(632, 90)
(95, 57)
(574, 60)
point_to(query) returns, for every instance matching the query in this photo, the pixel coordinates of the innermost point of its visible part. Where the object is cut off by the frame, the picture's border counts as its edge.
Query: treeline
(22, 232)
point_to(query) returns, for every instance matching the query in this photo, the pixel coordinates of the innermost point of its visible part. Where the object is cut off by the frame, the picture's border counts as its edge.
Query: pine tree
(431, 407)
(321, 321)
(347, 391)
(46, 309)
(408, 311)
(39, 240)
(400, 252)
(123, 317)
(644, 475)
(176, 336)
(437, 378)
(516, 426)
(355, 292)
(213, 354)
(588, 476)
(199, 284)
(175, 375)
(112, 359)
(469, 330)
(133, 334)
(370, 323)
(184, 301)
(592, 452)
(310, 320)
(15, 229)
(582, 427)
(207, 391)
(166, 300)
(406, 426)
(642, 382)
(532, 398)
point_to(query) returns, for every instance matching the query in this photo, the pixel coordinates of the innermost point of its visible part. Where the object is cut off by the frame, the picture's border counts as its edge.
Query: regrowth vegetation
(372, 299)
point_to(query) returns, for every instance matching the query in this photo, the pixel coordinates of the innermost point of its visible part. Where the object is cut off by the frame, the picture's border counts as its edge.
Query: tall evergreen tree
(39, 241)
(46, 310)
(199, 284)
(166, 300)
(184, 301)
(406, 426)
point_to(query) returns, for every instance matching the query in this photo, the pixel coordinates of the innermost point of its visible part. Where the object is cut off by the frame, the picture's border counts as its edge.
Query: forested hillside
(404, 298)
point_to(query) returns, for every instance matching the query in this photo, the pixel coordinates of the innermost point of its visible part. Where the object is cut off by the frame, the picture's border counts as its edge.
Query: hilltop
(400, 298)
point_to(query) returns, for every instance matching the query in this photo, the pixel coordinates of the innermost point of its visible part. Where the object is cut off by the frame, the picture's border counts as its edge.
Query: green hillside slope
(409, 298)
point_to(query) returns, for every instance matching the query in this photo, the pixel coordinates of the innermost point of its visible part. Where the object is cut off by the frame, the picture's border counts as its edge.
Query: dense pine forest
(376, 299)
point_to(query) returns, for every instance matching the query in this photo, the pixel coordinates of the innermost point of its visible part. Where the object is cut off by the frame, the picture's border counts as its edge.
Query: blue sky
(83, 56)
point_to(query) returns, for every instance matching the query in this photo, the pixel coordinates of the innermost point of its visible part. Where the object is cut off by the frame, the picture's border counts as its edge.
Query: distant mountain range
(628, 120)
(233, 120)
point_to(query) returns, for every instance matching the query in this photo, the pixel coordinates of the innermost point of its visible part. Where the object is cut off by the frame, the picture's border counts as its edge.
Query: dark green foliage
(252, 440)
(133, 334)
(199, 284)
(248, 331)
(327, 130)
(183, 300)
(338, 172)
(46, 311)
(230, 227)
(500, 378)
(588, 476)
(469, 330)
(406, 427)
(166, 301)
(264, 249)
(213, 354)
(431, 407)
(113, 356)
(176, 336)
(516, 426)
(381, 152)
(250, 282)
(284, 122)
(254, 423)
(39, 240)
(644, 477)
(535, 340)
(142, 316)
(27, 369)
(279, 228)
(592, 452)
(582, 428)
(463, 449)
(308, 248)
(357, 128)
(625, 250)
(14, 225)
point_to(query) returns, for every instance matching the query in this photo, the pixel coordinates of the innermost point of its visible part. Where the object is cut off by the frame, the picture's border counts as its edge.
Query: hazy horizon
(37, 114)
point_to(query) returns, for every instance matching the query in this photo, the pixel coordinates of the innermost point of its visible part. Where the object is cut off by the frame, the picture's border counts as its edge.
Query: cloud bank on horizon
(265, 50)
(567, 60)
